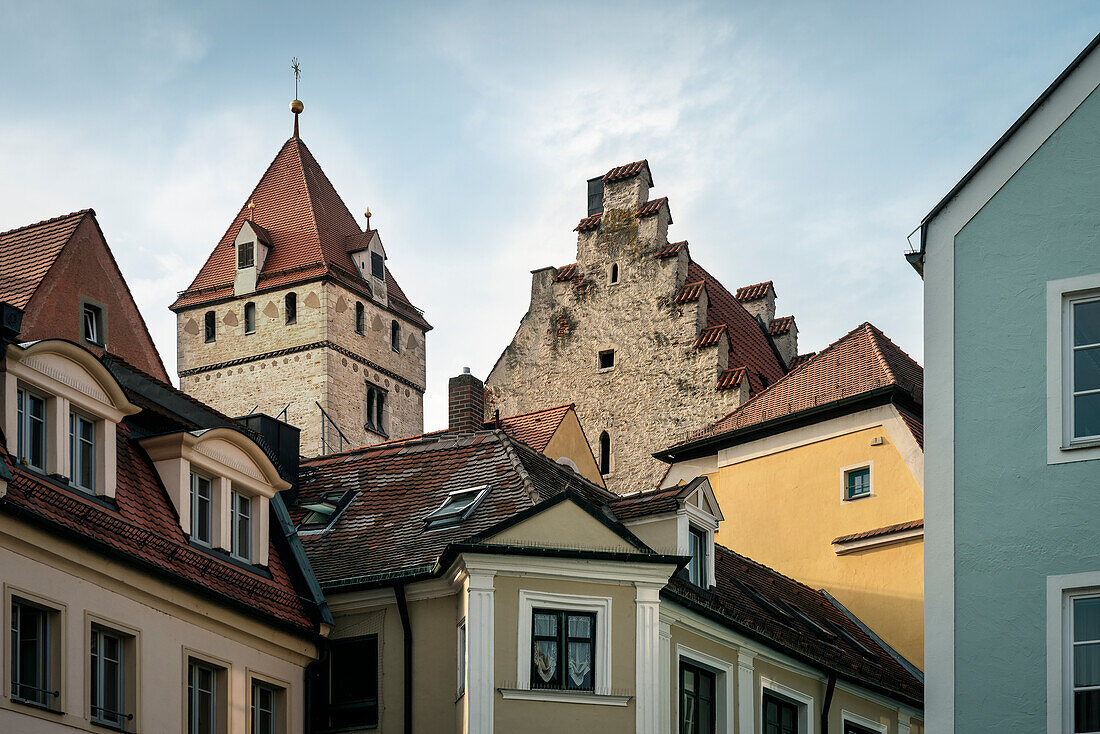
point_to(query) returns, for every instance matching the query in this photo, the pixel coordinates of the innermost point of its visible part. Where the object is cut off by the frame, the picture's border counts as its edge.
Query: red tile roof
(309, 226)
(28, 252)
(588, 223)
(878, 532)
(780, 325)
(801, 359)
(671, 250)
(753, 292)
(731, 378)
(630, 170)
(861, 361)
(646, 210)
(565, 272)
(710, 336)
(535, 428)
(915, 426)
(653, 502)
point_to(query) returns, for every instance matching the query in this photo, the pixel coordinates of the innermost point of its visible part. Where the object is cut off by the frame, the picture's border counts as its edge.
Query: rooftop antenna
(296, 106)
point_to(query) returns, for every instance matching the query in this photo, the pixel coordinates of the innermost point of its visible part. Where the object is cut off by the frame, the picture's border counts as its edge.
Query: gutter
(294, 545)
(407, 645)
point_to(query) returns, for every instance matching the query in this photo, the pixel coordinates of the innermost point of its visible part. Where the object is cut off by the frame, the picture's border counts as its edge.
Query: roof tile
(753, 292)
(28, 252)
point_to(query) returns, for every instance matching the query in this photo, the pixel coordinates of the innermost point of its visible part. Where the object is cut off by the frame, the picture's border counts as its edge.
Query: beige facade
(320, 358)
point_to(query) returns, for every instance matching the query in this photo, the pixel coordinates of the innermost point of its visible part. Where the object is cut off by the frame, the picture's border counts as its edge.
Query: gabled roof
(27, 253)
(308, 225)
(861, 361)
(534, 428)
(655, 501)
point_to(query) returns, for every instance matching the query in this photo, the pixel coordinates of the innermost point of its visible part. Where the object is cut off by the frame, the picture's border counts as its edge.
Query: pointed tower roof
(308, 225)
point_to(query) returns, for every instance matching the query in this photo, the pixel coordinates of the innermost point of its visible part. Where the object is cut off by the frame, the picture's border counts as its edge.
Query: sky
(798, 142)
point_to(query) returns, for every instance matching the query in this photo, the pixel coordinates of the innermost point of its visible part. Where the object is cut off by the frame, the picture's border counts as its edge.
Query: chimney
(466, 398)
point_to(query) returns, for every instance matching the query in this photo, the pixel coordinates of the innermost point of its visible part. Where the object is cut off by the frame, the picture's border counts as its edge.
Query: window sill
(37, 706)
(602, 370)
(859, 497)
(543, 694)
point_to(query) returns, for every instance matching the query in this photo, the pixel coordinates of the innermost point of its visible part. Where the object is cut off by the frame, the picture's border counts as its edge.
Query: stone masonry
(646, 343)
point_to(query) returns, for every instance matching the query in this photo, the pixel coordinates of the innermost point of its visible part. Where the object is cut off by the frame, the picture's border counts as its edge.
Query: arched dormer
(221, 483)
(60, 408)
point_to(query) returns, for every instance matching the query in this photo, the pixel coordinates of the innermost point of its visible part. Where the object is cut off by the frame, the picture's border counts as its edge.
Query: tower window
(249, 318)
(376, 409)
(607, 359)
(209, 327)
(605, 453)
(614, 273)
(290, 308)
(360, 318)
(595, 195)
(246, 255)
(377, 267)
(395, 336)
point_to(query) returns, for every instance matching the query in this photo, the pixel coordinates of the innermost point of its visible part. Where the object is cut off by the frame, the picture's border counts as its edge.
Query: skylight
(457, 507)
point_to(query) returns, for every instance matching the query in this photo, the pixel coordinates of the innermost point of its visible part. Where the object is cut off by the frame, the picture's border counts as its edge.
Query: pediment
(563, 525)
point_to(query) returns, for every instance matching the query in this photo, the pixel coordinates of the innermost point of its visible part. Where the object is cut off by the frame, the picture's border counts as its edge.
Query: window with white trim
(857, 483)
(698, 690)
(91, 321)
(698, 552)
(1082, 362)
(267, 713)
(107, 677)
(241, 510)
(202, 509)
(461, 658)
(1083, 654)
(31, 429)
(206, 698)
(563, 649)
(82, 452)
(35, 654)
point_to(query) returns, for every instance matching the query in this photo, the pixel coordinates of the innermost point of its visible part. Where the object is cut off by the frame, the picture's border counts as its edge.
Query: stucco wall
(569, 442)
(1016, 519)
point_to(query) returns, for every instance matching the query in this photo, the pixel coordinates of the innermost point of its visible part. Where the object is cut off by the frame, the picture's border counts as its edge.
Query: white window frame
(725, 714)
(96, 311)
(805, 703)
(96, 708)
(193, 498)
(844, 471)
(1061, 294)
(461, 655)
(23, 425)
(600, 605)
(234, 519)
(280, 690)
(1061, 590)
(479, 493)
(691, 517)
(75, 465)
(847, 717)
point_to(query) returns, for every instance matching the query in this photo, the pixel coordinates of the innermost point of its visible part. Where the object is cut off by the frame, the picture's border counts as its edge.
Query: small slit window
(456, 508)
(360, 318)
(249, 318)
(607, 359)
(290, 308)
(614, 277)
(395, 336)
(605, 453)
(209, 327)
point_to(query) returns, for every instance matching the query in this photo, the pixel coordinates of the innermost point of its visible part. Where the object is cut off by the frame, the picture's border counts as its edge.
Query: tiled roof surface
(398, 485)
(588, 223)
(710, 336)
(621, 173)
(731, 378)
(780, 325)
(801, 359)
(915, 426)
(878, 532)
(653, 502)
(535, 428)
(753, 292)
(690, 292)
(645, 210)
(27, 253)
(146, 528)
(861, 361)
(801, 619)
(308, 225)
(670, 250)
(565, 272)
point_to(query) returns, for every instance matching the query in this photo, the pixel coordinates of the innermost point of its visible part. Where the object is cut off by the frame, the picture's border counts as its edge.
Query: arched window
(395, 336)
(290, 308)
(360, 317)
(209, 328)
(605, 453)
(249, 318)
(615, 273)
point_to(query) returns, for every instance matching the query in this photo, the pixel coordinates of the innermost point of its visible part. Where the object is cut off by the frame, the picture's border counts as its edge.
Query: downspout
(406, 628)
(828, 703)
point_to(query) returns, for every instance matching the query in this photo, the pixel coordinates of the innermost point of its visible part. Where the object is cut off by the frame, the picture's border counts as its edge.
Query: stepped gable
(27, 253)
(861, 361)
(309, 227)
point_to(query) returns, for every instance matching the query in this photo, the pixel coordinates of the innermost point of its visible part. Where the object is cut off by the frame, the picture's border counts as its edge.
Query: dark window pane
(1086, 711)
(1086, 415)
(1086, 369)
(580, 625)
(545, 663)
(580, 665)
(1086, 323)
(376, 266)
(546, 625)
(1086, 665)
(1086, 619)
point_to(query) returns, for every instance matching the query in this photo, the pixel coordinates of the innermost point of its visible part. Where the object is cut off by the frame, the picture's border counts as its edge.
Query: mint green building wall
(1018, 520)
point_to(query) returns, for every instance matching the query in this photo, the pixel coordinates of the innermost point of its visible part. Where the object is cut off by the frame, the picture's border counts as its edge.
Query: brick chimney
(466, 398)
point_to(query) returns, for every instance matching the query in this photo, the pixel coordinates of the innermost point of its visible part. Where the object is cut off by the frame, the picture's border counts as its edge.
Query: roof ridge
(539, 410)
(300, 145)
(506, 442)
(872, 332)
(51, 220)
(881, 335)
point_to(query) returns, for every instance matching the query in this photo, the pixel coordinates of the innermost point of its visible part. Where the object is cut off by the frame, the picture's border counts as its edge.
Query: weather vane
(297, 74)
(296, 106)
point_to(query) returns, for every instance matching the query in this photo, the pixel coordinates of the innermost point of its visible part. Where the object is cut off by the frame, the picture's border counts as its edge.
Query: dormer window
(82, 451)
(457, 507)
(31, 440)
(698, 552)
(246, 255)
(202, 500)
(377, 266)
(242, 527)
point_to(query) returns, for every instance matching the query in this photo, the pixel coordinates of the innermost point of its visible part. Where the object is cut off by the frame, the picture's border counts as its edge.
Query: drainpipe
(406, 628)
(828, 703)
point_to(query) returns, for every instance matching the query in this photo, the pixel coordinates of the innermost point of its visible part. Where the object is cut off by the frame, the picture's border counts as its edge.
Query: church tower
(296, 314)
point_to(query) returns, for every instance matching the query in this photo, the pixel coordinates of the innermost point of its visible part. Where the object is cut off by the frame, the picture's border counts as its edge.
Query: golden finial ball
(296, 106)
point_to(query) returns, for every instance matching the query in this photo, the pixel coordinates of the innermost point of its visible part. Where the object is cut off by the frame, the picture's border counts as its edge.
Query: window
(697, 700)
(1084, 620)
(456, 508)
(30, 444)
(209, 327)
(107, 677)
(290, 308)
(265, 708)
(563, 649)
(377, 268)
(376, 408)
(92, 323)
(246, 255)
(32, 659)
(857, 483)
(242, 527)
(395, 336)
(1084, 368)
(360, 318)
(81, 452)
(595, 195)
(461, 658)
(201, 509)
(351, 684)
(780, 716)
(605, 453)
(249, 318)
(607, 359)
(850, 727)
(614, 277)
(202, 698)
(697, 550)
